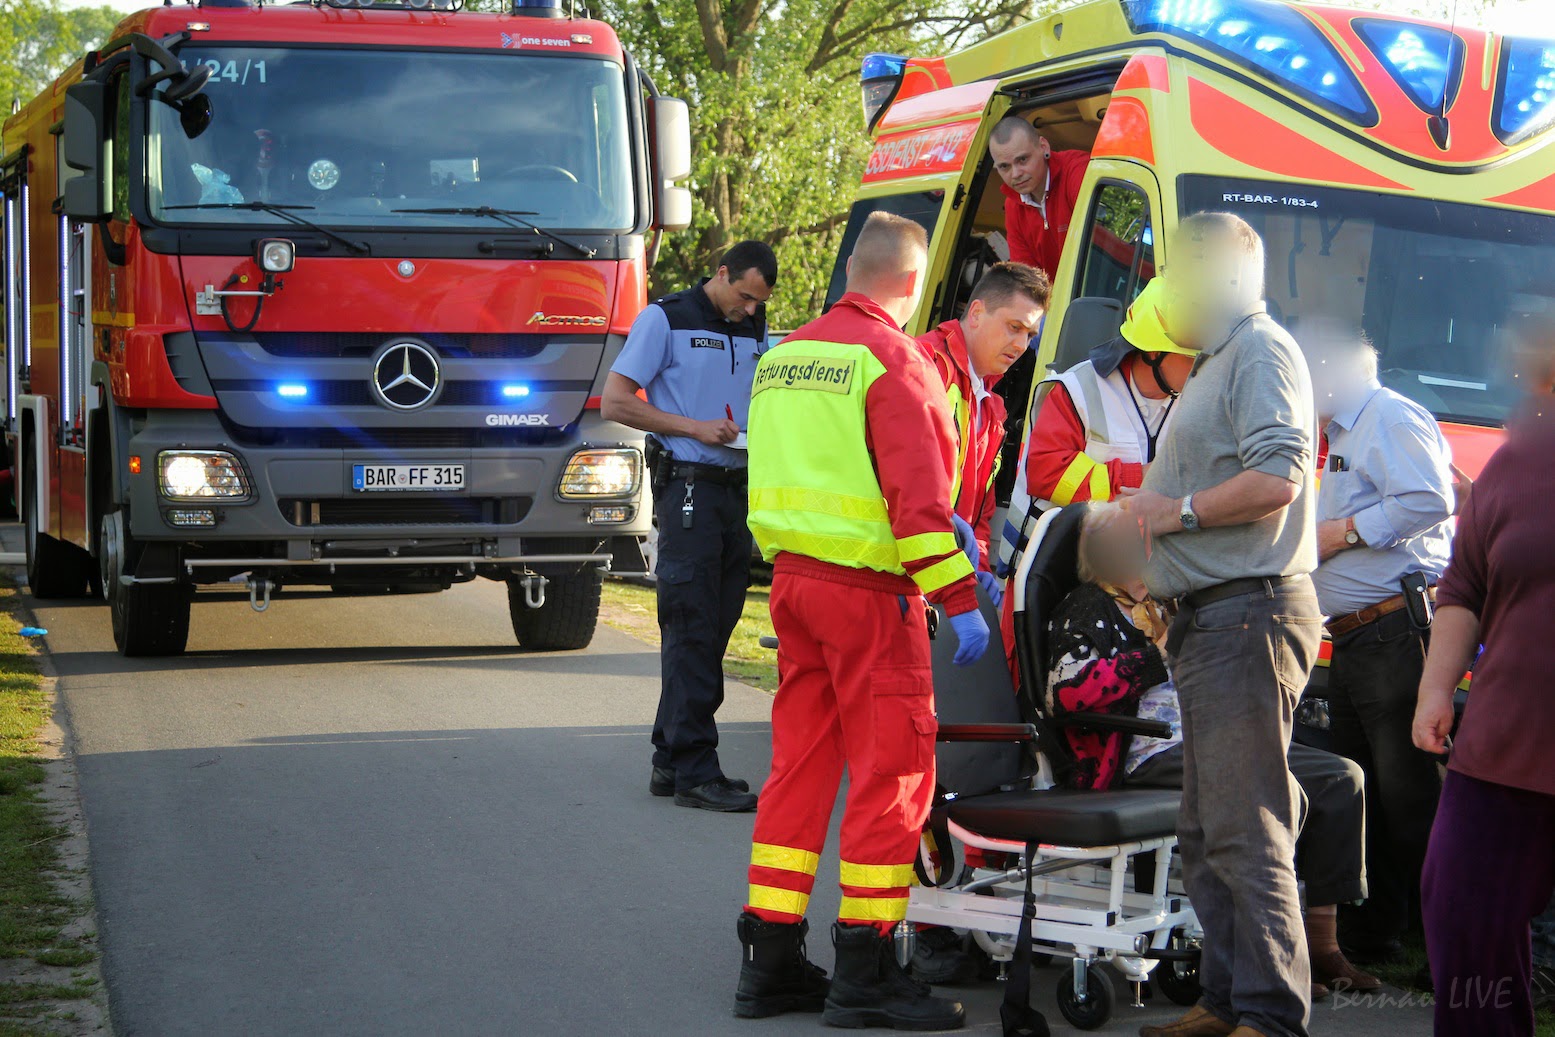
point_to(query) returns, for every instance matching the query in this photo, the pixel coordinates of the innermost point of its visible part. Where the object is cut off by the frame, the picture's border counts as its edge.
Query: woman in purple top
(1491, 863)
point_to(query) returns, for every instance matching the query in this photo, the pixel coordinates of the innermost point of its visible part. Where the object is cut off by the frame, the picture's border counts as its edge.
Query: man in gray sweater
(1229, 502)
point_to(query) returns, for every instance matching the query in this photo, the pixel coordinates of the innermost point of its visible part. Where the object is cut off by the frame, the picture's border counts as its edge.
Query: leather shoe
(1247, 1031)
(662, 782)
(1336, 972)
(1320, 992)
(1199, 1022)
(718, 795)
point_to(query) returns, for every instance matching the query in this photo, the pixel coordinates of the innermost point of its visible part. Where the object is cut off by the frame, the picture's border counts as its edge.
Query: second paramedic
(972, 353)
(1041, 190)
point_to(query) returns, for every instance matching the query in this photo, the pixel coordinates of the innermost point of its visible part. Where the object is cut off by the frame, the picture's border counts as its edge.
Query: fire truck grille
(315, 344)
(393, 510)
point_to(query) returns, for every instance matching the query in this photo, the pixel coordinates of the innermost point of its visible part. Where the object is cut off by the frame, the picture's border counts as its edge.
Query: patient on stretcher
(1108, 656)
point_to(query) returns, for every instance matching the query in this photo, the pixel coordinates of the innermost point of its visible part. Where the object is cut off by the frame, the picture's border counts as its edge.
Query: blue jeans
(1240, 667)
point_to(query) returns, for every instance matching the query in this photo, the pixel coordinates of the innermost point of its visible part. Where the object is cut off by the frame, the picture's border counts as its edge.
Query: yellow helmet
(1144, 327)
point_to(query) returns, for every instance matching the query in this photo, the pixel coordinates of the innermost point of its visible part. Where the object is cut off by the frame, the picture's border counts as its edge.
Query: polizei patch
(707, 343)
(824, 374)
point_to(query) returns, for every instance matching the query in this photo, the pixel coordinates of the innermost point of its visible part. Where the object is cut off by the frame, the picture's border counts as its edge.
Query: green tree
(778, 135)
(40, 38)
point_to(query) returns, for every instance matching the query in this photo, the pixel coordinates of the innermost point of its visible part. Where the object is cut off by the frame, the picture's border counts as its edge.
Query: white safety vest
(1113, 432)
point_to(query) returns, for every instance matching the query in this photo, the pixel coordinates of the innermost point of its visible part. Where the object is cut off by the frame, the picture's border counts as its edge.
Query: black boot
(940, 957)
(871, 989)
(775, 976)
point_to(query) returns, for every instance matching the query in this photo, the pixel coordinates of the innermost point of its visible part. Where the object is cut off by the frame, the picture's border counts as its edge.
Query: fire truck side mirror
(84, 146)
(672, 162)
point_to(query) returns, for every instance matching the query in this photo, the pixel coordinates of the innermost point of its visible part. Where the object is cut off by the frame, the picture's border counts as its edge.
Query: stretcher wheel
(1178, 980)
(1099, 999)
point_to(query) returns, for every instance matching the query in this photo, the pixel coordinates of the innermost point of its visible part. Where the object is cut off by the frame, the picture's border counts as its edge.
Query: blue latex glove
(972, 633)
(966, 539)
(992, 585)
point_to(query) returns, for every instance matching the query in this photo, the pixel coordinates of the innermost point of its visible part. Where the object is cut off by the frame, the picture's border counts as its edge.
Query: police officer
(693, 355)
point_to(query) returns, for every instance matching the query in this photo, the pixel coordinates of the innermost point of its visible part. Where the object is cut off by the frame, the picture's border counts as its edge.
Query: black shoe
(717, 794)
(871, 989)
(662, 782)
(775, 974)
(940, 957)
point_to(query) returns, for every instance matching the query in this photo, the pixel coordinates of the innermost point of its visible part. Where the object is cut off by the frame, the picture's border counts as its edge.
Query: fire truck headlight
(276, 255)
(201, 475)
(601, 473)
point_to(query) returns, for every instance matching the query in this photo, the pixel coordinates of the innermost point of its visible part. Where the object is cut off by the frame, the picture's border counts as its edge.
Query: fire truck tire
(148, 619)
(566, 621)
(54, 569)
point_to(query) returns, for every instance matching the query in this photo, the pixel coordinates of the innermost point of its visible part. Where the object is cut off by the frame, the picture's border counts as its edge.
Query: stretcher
(1089, 874)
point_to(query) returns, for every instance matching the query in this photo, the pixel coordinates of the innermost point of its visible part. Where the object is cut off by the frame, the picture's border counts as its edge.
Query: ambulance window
(1120, 250)
(922, 207)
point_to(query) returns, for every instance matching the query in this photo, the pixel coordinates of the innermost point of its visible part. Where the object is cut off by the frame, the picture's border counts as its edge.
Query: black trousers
(702, 576)
(1330, 854)
(1373, 682)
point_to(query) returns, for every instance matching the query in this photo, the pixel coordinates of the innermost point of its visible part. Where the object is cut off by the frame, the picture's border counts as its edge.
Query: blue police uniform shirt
(1393, 476)
(692, 361)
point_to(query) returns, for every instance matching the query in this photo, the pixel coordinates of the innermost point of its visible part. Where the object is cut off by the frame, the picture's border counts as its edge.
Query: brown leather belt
(1341, 625)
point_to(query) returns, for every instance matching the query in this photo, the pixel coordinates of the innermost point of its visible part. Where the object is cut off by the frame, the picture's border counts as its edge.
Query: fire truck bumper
(227, 506)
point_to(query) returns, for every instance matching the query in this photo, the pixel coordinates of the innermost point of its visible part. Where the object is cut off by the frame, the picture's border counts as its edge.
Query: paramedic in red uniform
(851, 453)
(1041, 189)
(972, 354)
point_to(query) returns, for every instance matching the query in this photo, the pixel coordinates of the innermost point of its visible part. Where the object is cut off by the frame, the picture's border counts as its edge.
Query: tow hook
(259, 590)
(534, 591)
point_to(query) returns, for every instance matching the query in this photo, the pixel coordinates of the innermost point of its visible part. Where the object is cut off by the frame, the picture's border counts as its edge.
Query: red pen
(729, 411)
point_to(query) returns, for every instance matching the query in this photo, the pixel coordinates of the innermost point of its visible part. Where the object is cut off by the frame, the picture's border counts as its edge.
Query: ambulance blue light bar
(1424, 60)
(880, 78)
(1525, 90)
(515, 392)
(292, 391)
(1271, 39)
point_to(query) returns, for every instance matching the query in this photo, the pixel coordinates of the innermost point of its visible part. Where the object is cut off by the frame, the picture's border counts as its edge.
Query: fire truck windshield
(364, 139)
(1433, 284)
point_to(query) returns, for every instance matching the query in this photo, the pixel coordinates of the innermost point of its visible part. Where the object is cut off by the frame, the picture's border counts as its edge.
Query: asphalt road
(374, 816)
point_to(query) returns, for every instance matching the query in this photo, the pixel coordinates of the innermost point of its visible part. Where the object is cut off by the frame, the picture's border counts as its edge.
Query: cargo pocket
(904, 722)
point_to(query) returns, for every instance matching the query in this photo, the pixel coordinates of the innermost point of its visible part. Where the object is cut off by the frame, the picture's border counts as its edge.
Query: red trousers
(855, 690)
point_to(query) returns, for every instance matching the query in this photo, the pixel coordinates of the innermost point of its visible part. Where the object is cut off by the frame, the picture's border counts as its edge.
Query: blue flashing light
(1425, 60)
(880, 76)
(292, 391)
(1525, 90)
(1273, 39)
(515, 392)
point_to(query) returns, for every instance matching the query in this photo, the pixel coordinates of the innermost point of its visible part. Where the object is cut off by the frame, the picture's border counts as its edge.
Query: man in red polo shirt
(1041, 188)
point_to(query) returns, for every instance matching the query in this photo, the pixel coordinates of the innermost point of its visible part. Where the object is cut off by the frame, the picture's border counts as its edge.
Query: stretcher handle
(987, 733)
(767, 641)
(1109, 722)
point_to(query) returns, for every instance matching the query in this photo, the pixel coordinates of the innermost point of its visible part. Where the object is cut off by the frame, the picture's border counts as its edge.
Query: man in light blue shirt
(1384, 512)
(692, 356)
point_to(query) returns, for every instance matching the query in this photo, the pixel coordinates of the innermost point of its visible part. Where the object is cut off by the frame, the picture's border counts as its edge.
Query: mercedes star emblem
(406, 376)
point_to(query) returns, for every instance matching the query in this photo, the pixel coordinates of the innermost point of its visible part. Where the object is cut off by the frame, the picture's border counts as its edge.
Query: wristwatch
(1351, 537)
(1187, 516)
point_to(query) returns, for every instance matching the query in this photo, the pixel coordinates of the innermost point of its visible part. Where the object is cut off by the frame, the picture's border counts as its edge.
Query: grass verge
(634, 608)
(38, 959)
(1405, 972)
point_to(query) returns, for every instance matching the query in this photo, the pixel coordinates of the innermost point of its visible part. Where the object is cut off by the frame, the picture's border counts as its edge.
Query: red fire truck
(325, 294)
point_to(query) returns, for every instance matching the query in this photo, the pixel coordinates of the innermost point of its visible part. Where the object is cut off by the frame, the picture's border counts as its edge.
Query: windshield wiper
(513, 218)
(285, 212)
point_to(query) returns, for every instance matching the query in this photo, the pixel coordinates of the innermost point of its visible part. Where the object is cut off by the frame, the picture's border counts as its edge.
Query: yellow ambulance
(1398, 170)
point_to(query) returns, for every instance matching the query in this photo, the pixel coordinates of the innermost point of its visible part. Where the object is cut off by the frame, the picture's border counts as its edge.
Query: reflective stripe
(876, 876)
(840, 505)
(858, 553)
(784, 858)
(871, 909)
(1101, 483)
(771, 898)
(926, 545)
(1078, 471)
(1095, 411)
(942, 573)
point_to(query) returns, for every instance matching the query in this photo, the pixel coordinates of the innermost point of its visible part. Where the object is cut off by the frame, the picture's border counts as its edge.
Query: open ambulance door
(927, 152)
